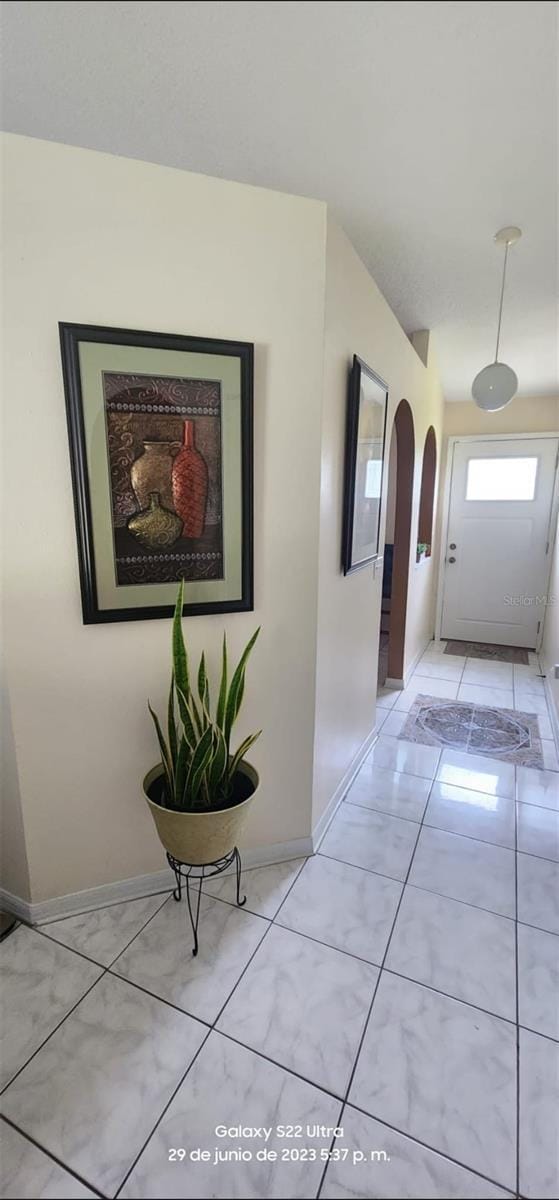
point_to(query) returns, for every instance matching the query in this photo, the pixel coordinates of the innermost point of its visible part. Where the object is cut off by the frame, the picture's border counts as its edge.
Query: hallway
(382, 985)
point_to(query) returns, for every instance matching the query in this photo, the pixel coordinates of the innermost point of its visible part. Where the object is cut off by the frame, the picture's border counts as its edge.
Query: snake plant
(198, 764)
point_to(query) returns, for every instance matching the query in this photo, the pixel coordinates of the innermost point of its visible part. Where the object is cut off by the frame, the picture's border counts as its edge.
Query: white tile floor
(402, 983)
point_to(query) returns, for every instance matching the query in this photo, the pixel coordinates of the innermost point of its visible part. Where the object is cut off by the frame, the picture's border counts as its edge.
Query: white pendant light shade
(494, 387)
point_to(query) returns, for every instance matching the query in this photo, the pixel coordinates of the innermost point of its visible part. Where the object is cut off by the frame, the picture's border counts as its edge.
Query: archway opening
(427, 496)
(397, 545)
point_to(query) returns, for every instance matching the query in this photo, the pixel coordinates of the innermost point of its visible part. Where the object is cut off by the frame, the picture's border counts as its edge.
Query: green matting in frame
(160, 429)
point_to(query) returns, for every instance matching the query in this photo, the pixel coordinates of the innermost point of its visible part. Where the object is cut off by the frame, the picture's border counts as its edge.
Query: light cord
(501, 302)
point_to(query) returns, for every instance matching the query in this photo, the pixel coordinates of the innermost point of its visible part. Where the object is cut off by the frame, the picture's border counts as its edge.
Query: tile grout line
(272, 921)
(517, 987)
(49, 1154)
(383, 811)
(348, 954)
(162, 1114)
(432, 892)
(426, 1145)
(212, 1027)
(44, 933)
(52, 1032)
(311, 1082)
(110, 969)
(104, 971)
(377, 984)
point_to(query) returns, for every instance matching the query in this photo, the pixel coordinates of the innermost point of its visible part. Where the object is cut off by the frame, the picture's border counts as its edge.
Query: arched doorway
(397, 545)
(427, 493)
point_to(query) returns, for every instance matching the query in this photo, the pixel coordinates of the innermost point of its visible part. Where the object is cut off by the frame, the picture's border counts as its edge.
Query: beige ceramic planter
(202, 837)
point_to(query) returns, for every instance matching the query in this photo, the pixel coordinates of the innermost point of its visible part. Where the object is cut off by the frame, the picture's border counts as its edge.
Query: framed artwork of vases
(367, 403)
(160, 430)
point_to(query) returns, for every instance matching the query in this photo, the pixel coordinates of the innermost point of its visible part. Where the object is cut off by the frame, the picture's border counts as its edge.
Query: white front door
(497, 549)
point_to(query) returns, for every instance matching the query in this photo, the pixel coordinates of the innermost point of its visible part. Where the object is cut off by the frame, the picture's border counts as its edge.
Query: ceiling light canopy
(495, 385)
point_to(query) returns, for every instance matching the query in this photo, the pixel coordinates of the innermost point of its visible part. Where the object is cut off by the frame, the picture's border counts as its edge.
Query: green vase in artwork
(156, 527)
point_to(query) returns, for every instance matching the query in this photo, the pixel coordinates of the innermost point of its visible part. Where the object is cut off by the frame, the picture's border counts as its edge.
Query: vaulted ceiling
(426, 126)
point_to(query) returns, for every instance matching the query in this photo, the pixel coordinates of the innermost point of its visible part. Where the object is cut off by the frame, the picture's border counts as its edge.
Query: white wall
(358, 320)
(104, 240)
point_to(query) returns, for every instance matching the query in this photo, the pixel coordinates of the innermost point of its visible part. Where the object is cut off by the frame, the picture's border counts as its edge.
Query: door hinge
(538, 629)
(547, 547)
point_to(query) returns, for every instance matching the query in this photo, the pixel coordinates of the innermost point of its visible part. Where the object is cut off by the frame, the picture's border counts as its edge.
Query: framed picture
(160, 429)
(365, 436)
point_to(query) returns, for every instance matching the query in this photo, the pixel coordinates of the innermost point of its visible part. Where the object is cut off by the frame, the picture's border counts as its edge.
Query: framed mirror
(365, 437)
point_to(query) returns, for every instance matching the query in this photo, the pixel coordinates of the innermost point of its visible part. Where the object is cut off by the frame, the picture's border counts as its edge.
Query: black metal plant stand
(190, 872)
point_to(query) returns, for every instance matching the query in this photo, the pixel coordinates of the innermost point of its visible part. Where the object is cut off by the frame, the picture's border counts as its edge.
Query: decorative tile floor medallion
(506, 654)
(497, 732)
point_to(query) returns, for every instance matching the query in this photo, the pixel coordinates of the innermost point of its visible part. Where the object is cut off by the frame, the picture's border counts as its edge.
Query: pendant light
(494, 386)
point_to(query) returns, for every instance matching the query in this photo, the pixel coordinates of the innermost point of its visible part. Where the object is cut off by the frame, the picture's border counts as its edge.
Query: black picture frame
(359, 372)
(72, 335)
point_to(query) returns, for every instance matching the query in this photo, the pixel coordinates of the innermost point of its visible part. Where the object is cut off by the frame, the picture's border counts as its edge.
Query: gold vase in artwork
(190, 485)
(151, 472)
(156, 527)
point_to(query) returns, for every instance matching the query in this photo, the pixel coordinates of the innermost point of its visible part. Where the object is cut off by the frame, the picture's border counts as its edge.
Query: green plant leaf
(165, 761)
(236, 690)
(198, 764)
(218, 762)
(183, 761)
(240, 754)
(180, 658)
(186, 718)
(171, 724)
(222, 697)
(198, 719)
(203, 685)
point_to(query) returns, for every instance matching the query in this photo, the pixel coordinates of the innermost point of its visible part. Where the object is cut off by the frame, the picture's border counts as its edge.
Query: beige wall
(14, 868)
(522, 415)
(391, 489)
(358, 320)
(103, 240)
(550, 645)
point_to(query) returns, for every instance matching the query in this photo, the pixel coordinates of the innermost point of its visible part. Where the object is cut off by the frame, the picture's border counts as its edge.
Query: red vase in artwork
(190, 485)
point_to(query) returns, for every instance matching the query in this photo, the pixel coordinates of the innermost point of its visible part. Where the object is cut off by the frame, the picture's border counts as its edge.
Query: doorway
(496, 558)
(397, 546)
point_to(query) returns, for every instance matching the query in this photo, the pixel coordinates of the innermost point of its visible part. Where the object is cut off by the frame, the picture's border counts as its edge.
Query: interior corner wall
(359, 321)
(103, 240)
(550, 645)
(14, 867)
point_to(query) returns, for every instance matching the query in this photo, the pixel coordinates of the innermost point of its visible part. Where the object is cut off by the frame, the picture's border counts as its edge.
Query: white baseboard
(140, 885)
(400, 684)
(343, 786)
(553, 714)
(413, 664)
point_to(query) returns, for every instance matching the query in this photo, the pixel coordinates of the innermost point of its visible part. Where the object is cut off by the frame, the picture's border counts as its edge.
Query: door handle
(452, 559)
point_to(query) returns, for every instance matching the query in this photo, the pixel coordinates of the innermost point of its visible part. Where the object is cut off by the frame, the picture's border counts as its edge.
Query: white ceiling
(426, 126)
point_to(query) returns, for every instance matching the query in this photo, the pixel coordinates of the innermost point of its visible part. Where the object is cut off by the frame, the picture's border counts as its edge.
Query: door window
(501, 478)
